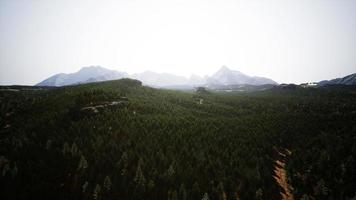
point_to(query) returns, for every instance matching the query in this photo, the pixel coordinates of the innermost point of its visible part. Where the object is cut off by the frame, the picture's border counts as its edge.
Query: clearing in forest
(280, 175)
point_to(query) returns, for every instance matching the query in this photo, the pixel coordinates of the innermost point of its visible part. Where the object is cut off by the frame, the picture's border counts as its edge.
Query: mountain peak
(84, 75)
(224, 76)
(92, 68)
(224, 68)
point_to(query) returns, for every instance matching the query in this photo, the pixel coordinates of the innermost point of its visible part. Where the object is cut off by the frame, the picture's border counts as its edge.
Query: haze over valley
(178, 100)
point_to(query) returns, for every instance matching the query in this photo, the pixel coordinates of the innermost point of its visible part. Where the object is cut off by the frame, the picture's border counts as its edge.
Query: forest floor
(280, 174)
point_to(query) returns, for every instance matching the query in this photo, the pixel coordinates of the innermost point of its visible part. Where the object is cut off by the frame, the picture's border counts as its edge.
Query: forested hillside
(121, 140)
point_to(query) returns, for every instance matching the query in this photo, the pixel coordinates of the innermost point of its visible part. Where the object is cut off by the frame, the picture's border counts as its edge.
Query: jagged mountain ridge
(223, 76)
(226, 76)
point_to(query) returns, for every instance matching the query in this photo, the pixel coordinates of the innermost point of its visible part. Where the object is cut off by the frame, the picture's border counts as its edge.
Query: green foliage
(85, 186)
(162, 144)
(259, 194)
(107, 183)
(182, 192)
(96, 191)
(205, 196)
(83, 163)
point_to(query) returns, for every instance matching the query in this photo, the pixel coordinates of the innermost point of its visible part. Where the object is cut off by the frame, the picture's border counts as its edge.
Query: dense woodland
(121, 140)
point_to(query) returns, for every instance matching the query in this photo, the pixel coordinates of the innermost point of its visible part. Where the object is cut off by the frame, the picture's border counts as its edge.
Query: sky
(289, 41)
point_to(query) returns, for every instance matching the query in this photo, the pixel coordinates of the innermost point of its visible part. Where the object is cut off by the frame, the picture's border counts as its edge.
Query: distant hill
(347, 80)
(226, 76)
(85, 75)
(222, 77)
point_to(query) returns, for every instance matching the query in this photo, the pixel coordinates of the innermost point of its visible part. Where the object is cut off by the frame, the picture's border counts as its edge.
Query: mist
(287, 41)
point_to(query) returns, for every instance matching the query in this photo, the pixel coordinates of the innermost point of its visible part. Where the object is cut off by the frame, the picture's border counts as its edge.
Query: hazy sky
(286, 40)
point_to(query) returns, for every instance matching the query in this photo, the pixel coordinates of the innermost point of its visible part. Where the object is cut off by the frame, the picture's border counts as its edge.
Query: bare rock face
(96, 109)
(89, 110)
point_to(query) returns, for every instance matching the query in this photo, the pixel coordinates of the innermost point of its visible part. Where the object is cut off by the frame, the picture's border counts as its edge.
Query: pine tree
(123, 164)
(96, 192)
(139, 181)
(221, 191)
(14, 171)
(169, 195)
(320, 188)
(259, 194)
(107, 184)
(150, 185)
(170, 171)
(74, 149)
(5, 169)
(65, 148)
(85, 186)
(196, 191)
(83, 163)
(205, 196)
(48, 144)
(174, 195)
(182, 192)
(306, 197)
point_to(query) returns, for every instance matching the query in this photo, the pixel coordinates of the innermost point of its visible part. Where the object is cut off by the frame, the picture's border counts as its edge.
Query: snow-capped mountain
(224, 76)
(85, 75)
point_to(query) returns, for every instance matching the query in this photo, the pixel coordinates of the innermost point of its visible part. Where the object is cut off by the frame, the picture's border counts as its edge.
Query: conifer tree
(205, 196)
(221, 191)
(196, 191)
(5, 169)
(169, 194)
(182, 192)
(139, 181)
(85, 186)
(65, 148)
(48, 144)
(96, 191)
(320, 188)
(174, 195)
(123, 164)
(74, 149)
(83, 163)
(150, 185)
(170, 172)
(259, 194)
(107, 184)
(14, 171)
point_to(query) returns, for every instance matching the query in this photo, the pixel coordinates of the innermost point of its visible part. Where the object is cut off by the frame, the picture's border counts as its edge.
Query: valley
(122, 140)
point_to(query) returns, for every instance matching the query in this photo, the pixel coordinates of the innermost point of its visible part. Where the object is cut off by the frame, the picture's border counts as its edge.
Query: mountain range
(224, 76)
(84, 75)
(347, 80)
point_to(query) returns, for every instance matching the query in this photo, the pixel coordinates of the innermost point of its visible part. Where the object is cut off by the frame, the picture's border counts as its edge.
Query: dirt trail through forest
(280, 174)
